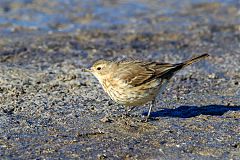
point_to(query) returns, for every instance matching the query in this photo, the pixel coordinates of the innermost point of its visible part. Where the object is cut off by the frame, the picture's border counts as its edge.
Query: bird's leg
(150, 109)
(129, 109)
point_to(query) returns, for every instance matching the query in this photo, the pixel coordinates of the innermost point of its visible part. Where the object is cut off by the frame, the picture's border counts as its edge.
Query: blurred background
(123, 28)
(124, 15)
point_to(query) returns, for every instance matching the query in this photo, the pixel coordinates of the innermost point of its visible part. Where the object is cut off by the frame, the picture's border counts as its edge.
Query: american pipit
(134, 82)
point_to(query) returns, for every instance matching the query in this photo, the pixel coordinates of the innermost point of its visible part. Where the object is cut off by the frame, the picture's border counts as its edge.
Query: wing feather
(135, 73)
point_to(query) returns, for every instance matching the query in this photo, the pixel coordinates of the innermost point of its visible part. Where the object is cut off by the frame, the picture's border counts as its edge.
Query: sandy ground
(50, 109)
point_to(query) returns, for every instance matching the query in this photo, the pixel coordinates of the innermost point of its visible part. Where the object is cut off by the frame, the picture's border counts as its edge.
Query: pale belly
(136, 96)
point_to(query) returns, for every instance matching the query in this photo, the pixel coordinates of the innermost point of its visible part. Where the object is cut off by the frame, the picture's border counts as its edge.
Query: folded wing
(136, 73)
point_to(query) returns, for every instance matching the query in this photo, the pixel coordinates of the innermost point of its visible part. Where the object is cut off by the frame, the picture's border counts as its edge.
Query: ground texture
(50, 109)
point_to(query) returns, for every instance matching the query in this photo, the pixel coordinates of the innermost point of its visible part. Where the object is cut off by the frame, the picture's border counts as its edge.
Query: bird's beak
(86, 70)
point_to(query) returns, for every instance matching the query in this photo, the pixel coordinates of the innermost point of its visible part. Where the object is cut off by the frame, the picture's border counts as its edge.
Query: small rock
(106, 119)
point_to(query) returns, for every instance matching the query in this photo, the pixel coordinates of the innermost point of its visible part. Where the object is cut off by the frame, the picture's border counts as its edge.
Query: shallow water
(133, 15)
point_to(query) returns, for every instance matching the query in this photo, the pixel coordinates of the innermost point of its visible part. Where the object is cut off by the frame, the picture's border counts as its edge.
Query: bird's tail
(193, 60)
(170, 70)
(179, 66)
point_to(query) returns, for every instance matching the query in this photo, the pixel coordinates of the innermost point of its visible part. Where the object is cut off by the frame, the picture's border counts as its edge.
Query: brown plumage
(134, 82)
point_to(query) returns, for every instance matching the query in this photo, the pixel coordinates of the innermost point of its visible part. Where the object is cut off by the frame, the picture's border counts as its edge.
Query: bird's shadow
(192, 111)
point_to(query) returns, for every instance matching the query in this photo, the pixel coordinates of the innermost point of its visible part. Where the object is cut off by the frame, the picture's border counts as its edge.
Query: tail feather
(179, 66)
(193, 60)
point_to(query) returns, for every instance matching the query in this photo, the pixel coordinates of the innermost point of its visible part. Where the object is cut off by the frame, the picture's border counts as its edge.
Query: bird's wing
(135, 73)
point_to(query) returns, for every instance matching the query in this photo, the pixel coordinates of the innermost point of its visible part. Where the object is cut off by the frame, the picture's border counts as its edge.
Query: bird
(135, 82)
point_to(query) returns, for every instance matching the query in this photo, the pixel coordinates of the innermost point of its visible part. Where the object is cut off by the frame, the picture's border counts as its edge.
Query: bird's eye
(99, 68)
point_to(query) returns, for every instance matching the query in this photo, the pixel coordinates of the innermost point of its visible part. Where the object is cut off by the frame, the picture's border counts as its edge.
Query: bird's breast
(128, 95)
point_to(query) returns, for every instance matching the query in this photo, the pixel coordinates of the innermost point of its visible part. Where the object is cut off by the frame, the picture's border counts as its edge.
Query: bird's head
(100, 68)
